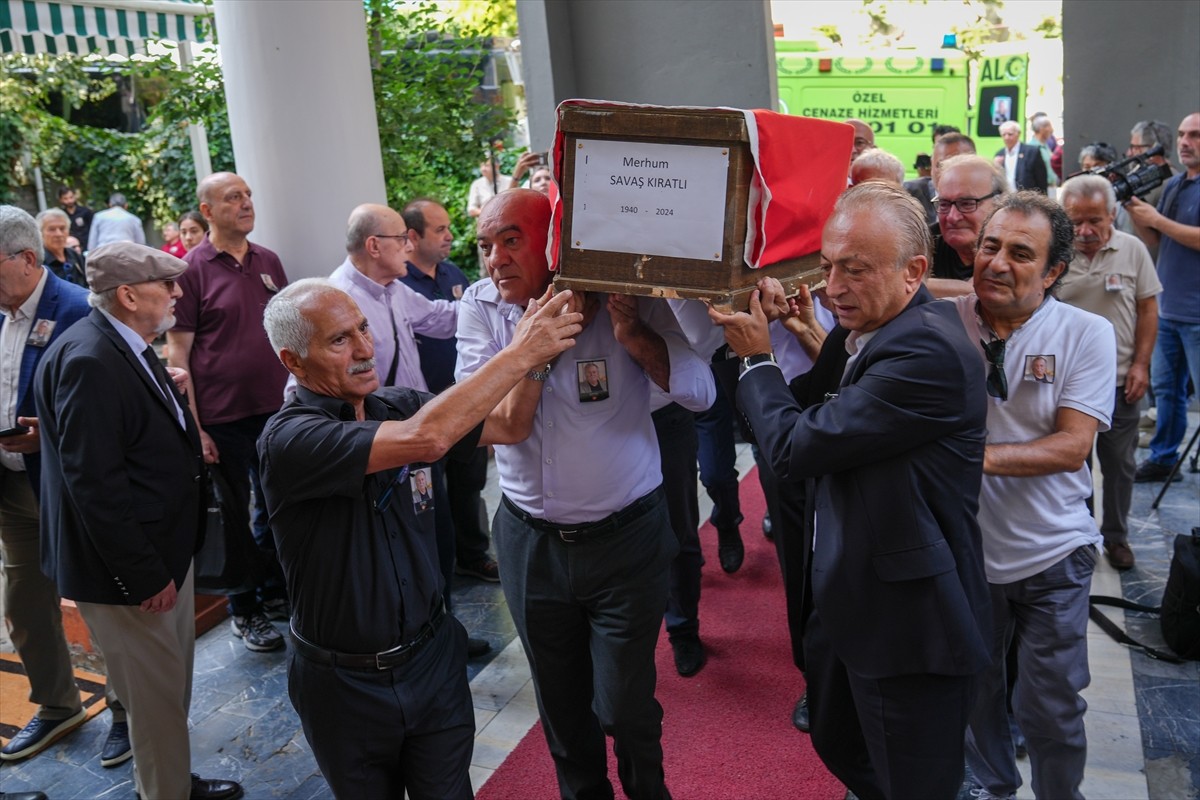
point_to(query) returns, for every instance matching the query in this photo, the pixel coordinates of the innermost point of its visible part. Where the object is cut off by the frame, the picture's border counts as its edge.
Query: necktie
(156, 368)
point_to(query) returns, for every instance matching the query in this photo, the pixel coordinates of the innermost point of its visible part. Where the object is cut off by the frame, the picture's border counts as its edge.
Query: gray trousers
(1115, 449)
(1047, 616)
(588, 615)
(33, 606)
(150, 659)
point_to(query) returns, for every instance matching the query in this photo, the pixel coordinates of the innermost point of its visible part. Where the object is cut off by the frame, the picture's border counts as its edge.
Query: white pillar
(197, 135)
(302, 119)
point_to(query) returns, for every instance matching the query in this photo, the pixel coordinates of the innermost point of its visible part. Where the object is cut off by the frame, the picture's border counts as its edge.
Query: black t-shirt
(946, 263)
(81, 222)
(71, 270)
(360, 558)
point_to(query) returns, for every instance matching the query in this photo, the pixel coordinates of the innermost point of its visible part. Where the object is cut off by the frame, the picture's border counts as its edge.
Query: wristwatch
(541, 376)
(757, 358)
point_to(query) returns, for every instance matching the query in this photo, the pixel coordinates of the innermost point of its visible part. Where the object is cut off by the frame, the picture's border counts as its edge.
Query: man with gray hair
(122, 505)
(896, 620)
(36, 307)
(378, 672)
(876, 165)
(1113, 276)
(61, 260)
(967, 190)
(1023, 164)
(115, 224)
(377, 248)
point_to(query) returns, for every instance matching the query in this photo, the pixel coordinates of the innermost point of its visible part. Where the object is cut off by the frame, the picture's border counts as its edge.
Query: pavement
(1143, 720)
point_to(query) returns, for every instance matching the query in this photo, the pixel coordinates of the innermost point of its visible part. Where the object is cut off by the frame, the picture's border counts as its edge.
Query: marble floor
(1143, 719)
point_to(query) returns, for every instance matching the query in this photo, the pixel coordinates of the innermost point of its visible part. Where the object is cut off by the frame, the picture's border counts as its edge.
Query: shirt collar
(136, 343)
(361, 281)
(374, 408)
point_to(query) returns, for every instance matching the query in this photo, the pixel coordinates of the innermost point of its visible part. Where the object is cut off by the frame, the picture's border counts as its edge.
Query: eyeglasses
(385, 498)
(401, 236)
(997, 381)
(965, 205)
(169, 284)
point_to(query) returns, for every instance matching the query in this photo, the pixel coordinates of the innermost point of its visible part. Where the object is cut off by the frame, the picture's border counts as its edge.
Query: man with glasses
(122, 505)
(237, 384)
(967, 187)
(33, 298)
(1039, 539)
(378, 673)
(431, 274)
(894, 616)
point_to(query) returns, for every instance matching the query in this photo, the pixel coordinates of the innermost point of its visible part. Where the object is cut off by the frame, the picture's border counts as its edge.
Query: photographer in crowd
(1175, 228)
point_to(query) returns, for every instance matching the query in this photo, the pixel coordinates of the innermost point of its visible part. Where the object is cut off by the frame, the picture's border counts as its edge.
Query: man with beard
(121, 505)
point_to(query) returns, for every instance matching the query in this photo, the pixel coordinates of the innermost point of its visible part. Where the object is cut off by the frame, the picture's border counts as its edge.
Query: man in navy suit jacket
(37, 307)
(1023, 164)
(896, 628)
(122, 505)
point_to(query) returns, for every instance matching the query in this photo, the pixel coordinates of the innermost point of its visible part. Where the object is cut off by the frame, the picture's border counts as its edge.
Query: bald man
(237, 385)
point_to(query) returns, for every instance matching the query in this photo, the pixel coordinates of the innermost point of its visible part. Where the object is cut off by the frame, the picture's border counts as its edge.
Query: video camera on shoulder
(1134, 176)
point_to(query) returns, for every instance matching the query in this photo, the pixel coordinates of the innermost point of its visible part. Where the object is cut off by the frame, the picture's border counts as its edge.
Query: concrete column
(1123, 63)
(302, 119)
(669, 52)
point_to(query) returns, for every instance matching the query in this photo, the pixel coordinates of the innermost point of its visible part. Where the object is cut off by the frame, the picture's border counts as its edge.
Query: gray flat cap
(126, 263)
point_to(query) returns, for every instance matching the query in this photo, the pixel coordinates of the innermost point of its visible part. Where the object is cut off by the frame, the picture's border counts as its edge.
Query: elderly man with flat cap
(121, 505)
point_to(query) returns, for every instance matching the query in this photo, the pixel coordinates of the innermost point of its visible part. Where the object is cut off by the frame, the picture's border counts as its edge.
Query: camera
(1134, 176)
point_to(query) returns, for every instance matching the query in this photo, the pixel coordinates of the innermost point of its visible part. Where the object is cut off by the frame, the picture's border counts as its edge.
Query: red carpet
(727, 732)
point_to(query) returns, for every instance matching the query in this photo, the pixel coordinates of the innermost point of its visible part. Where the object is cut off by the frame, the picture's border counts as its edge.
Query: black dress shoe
(730, 550)
(800, 714)
(689, 655)
(116, 746)
(212, 789)
(477, 647)
(23, 796)
(768, 527)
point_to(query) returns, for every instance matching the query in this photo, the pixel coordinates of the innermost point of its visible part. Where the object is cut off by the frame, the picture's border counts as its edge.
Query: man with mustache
(1039, 539)
(238, 384)
(378, 672)
(1112, 276)
(122, 505)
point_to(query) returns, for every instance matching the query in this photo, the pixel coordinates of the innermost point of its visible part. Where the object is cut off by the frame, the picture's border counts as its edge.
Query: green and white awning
(106, 27)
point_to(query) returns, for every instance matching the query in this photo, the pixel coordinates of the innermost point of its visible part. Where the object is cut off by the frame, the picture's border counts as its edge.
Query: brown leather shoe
(1119, 555)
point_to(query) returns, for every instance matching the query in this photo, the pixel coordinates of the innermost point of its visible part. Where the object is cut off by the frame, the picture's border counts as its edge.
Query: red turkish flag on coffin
(800, 168)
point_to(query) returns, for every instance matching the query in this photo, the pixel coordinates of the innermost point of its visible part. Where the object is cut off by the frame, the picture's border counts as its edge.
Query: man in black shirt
(967, 188)
(378, 672)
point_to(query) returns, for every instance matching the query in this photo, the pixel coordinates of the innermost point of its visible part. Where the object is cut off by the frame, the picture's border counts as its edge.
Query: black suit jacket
(897, 568)
(1031, 168)
(121, 500)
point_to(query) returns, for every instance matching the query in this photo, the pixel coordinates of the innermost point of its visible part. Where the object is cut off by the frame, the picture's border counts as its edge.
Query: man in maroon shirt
(237, 382)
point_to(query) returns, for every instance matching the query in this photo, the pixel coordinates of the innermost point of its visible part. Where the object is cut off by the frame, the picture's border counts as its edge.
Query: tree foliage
(434, 124)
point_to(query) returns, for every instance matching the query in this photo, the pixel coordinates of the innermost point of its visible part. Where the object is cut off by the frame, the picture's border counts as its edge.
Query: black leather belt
(396, 657)
(572, 533)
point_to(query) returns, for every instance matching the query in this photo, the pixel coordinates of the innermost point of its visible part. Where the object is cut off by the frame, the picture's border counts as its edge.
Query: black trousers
(893, 738)
(379, 733)
(589, 614)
